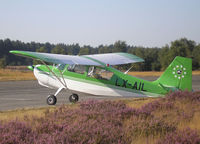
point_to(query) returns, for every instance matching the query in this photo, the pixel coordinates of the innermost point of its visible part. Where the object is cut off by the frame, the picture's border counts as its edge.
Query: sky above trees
(150, 23)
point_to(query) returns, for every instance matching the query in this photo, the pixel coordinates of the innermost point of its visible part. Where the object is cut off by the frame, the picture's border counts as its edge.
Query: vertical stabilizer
(178, 75)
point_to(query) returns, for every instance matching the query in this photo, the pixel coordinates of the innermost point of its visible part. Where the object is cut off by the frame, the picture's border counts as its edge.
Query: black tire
(73, 98)
(51, 100)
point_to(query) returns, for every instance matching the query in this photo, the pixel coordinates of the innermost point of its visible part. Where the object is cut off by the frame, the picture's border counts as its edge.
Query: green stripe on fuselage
(118, 81)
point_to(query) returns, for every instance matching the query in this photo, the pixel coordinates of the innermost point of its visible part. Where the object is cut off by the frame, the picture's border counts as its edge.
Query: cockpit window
(60, 66)
(77, 69)
(99, 73)
(71, 68)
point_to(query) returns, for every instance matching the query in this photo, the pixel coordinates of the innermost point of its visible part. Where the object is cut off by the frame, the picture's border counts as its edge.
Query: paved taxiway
(21, 94)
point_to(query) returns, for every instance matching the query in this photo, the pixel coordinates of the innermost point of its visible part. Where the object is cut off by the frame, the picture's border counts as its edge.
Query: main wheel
(51, 100)
(73, 98)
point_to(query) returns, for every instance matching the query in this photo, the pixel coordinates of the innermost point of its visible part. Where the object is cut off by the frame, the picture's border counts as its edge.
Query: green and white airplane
(94, 74)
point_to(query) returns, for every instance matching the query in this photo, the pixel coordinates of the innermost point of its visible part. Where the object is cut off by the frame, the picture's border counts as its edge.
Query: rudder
(178, 75)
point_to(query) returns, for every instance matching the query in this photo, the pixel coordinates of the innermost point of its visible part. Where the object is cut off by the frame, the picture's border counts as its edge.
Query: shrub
(16, 132)
(99, 122)
(186, 136)
(186, 95)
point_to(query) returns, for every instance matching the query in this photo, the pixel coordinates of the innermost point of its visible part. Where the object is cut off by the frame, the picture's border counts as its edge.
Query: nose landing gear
(51, 100)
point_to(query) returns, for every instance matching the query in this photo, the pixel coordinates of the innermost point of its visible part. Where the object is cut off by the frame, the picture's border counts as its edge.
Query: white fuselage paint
(50, 81)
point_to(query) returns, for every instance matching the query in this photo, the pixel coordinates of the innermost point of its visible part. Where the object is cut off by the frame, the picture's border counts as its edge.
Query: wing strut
(64, 84)
(128, 70)
(62, 78)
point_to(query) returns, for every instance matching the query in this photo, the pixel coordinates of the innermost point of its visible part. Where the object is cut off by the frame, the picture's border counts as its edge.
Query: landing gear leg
(73, 98)
(51, 99)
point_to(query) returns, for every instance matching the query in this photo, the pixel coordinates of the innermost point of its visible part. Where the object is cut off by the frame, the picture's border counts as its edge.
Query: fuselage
(87, 79)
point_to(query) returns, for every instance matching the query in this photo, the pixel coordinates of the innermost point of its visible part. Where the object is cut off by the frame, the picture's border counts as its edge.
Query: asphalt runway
(23, 94)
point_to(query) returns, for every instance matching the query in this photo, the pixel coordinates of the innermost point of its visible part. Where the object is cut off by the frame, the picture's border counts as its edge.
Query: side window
(77, 69)
(99, 73)
(60, 66)
(71, 68)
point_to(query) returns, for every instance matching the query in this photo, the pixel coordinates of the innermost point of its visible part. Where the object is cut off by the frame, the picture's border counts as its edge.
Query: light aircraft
(95, 75)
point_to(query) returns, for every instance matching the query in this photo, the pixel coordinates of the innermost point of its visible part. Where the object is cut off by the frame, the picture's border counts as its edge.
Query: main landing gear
(73, 98)
(51, 99)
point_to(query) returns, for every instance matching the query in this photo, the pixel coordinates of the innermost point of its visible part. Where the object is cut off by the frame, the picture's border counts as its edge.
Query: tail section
(178, 75)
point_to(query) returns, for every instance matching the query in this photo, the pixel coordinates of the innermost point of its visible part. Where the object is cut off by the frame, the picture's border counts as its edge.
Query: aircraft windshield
(60, 66)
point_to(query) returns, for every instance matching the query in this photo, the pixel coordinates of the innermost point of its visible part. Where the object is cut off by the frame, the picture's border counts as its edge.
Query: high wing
(95, 59)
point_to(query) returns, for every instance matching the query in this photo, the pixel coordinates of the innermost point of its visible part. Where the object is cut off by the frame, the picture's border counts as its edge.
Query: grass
(154, 73)
(20, 73)
(15, 75)
(20, 113)
(138, 102)
(143, 74)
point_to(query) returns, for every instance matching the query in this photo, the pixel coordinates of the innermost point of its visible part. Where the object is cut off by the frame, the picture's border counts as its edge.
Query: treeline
(156, 59)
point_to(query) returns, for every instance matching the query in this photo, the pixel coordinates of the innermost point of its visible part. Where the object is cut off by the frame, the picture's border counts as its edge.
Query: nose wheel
(73, 98)
(51, 100)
